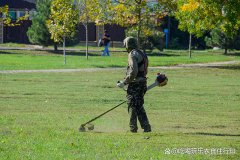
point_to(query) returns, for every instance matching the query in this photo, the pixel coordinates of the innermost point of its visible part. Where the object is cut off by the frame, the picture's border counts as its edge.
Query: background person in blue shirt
(106, 43)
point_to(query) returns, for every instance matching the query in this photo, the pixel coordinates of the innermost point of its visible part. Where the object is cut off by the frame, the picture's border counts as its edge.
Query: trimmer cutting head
(82, 128)
(89, 126)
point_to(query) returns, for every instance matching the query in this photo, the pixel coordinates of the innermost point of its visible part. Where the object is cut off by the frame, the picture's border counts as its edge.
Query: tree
(89, 11)
(148, 41)
(229, 17)
(4, 15)
(219, 39)
(198, 16)
(38, 33)
(137, 15)
(188, 16)
(62, 21)
(141, 17)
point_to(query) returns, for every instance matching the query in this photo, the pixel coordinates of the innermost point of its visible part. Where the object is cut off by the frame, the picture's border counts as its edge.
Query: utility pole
(169, 30)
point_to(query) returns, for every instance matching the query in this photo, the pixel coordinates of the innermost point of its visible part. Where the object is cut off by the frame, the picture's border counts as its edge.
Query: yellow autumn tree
(62, 21)
(198, 16)
(90, 11)
(138, 16)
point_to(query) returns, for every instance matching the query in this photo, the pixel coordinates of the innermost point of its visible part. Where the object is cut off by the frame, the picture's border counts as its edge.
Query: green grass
(25, 59)
(40, 114)
(91, 46)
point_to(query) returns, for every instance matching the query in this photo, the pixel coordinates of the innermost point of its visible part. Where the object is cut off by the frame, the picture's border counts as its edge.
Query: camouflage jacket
(137, 67)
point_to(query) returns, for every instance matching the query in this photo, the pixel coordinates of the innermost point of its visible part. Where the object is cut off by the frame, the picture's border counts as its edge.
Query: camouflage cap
(130, 42)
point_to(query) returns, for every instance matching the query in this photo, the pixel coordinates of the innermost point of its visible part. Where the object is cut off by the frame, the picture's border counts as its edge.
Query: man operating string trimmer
(137, 85)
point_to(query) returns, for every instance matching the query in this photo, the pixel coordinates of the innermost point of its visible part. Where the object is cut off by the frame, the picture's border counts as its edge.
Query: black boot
(147, 129)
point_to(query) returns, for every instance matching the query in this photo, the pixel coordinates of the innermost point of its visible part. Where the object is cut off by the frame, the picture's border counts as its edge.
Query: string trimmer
(161, 80)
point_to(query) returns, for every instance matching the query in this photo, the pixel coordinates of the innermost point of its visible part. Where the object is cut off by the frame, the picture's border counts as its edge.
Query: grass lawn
(40, 114)
(81, 46)
(25, 59)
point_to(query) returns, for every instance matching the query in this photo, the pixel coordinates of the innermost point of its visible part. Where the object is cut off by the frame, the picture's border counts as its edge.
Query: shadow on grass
(232, 67)
(109, 66)
(5, 52)
(214, 134)
(52, 52)
(79, 53)
(234, 54)
(162, 55)
(76, 53)
(116, 66)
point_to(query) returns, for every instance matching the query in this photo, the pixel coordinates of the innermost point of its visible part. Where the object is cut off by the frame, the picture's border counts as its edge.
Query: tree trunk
(190, 46)
(86, 27)
(64, 51)
(139, 26)
(225, 45)
(225, 50)
(138, 37)
(55, 46)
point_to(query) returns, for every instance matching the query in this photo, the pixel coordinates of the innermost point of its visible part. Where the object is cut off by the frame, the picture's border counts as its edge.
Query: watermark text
(200, 150)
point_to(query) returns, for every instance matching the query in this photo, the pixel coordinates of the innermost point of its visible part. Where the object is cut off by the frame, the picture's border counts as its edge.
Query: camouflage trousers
(135, 99)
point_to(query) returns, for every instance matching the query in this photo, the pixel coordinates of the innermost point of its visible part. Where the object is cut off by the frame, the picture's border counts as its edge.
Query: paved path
(196, 65)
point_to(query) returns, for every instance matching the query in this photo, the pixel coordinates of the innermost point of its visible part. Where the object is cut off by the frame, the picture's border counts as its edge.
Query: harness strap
(143, 62)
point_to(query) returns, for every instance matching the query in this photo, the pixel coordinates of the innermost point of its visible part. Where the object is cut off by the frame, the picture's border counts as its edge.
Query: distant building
(17, 8)
(18, 34)
(31, 1)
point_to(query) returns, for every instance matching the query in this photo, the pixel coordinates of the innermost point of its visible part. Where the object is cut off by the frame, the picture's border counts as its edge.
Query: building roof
(17, 4)
(31, 1)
